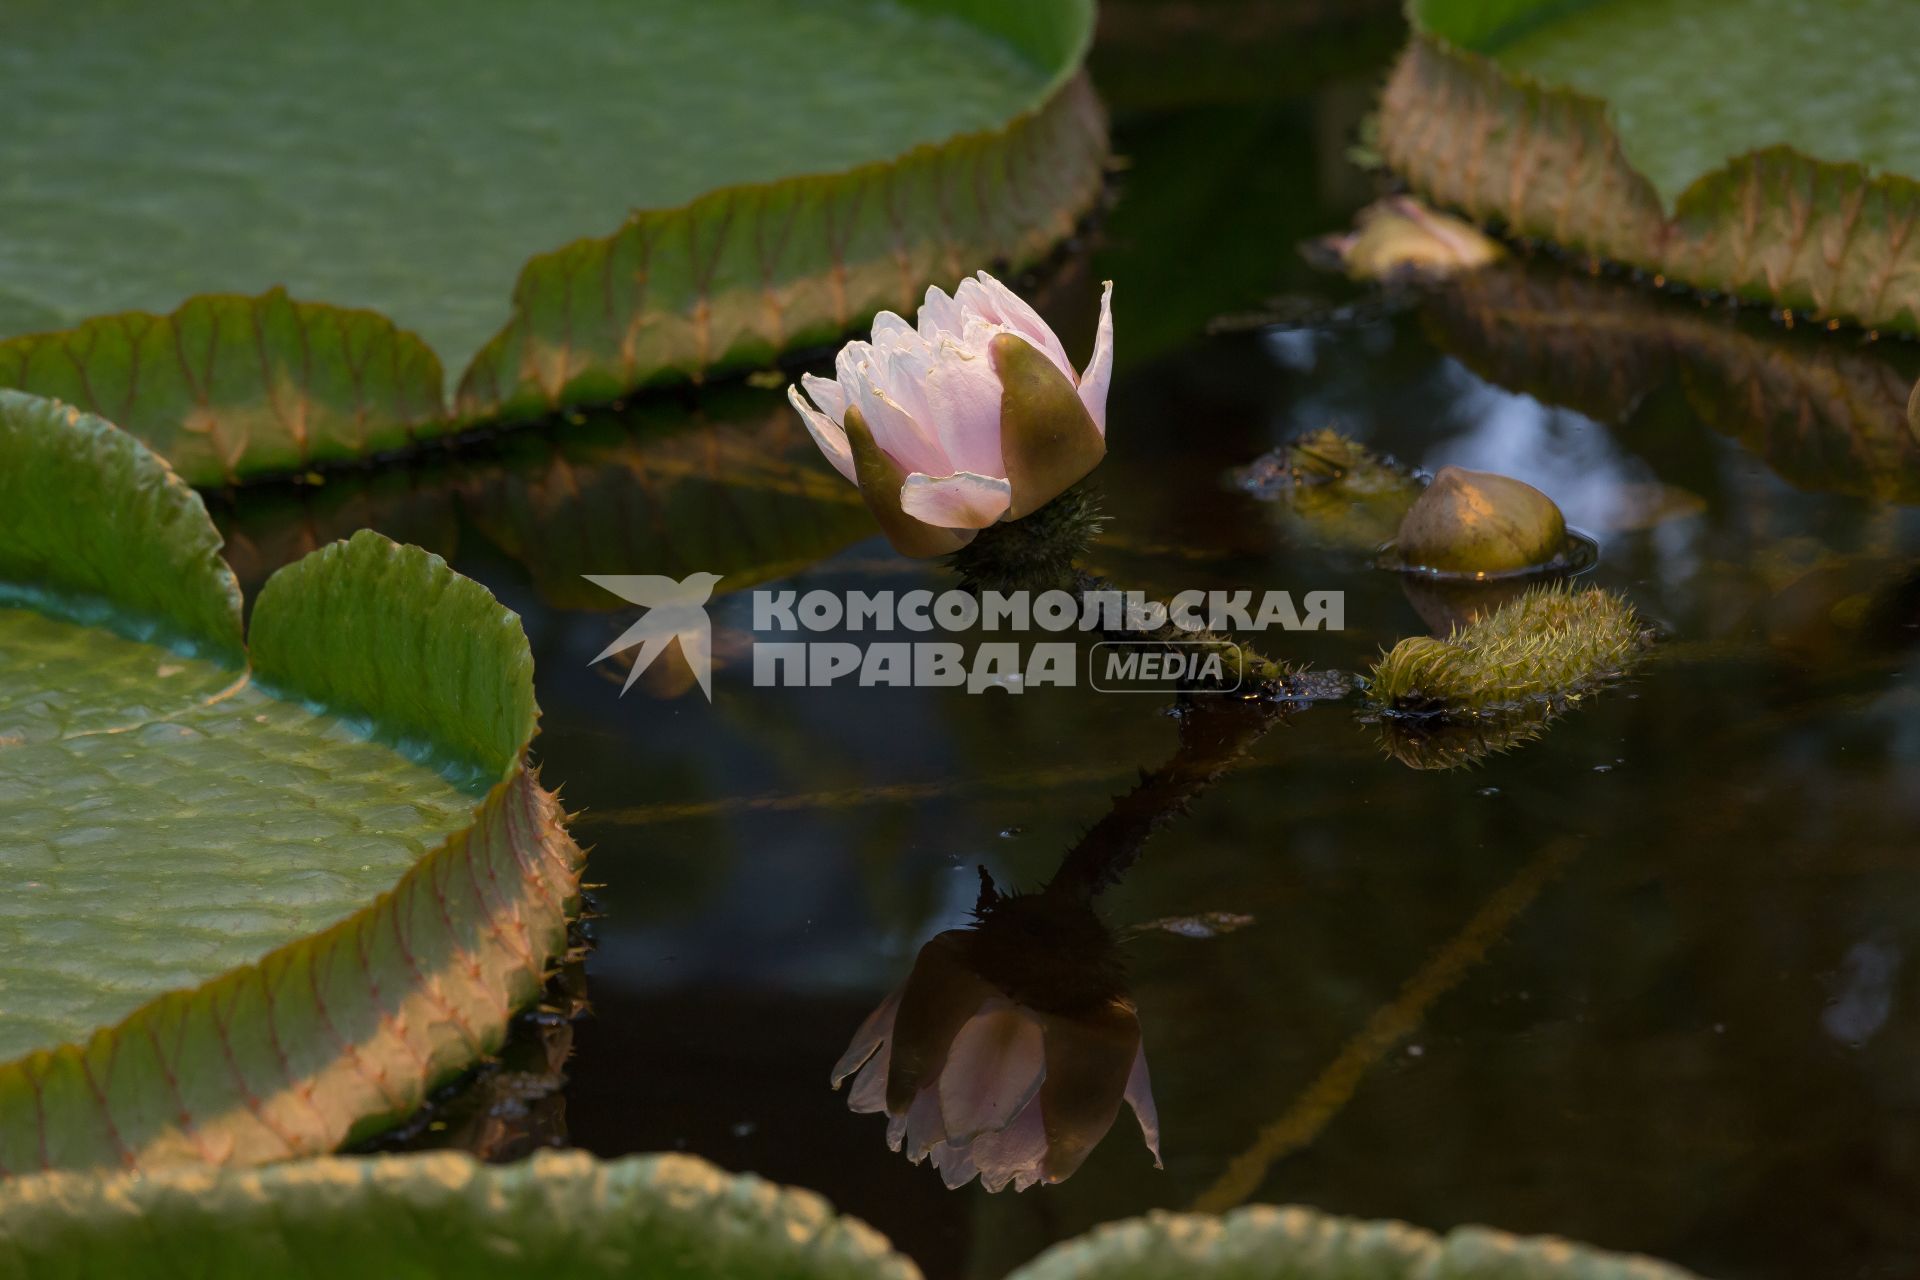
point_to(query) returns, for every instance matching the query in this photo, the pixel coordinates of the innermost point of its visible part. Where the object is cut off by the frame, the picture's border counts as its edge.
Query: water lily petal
(890, 332)
(993, 1070)
(991, 300)
(1140, 1098)
(869, 1094)
(1099, 371)
(1046, 436)
(1089, 1060)
(828, 394)
(940, 314)
(962, 395)
(826, 433)
(925, 1129)
(899, 436)
(955, 1164)
(880, 479)
(963, 500)
(1016, 1154)
(939, 996)
(872, 1034)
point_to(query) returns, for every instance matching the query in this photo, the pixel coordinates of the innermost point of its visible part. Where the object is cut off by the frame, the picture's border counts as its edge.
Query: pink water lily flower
(976, 416)
(987, 1084)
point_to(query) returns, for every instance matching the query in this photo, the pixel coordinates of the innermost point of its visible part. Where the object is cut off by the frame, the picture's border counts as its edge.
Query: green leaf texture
(393, 169)
(252, 913)
(1589, 125)
(148, 559)
(666, 1217)
(1267, 1243)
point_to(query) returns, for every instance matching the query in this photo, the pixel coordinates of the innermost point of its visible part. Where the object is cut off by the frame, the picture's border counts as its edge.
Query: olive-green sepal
(1047, 437)
(880, 478)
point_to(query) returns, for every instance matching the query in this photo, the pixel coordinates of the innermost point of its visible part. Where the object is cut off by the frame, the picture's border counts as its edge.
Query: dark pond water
(1649, 981)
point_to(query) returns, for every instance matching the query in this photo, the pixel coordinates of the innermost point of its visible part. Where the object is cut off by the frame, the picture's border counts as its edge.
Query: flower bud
(973, 417)
(1477, 522)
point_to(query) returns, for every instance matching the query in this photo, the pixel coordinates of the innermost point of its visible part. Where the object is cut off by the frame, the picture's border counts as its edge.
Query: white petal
(962, 397)
(1093, 383)
(993, 1069)
(939, 314)
(828, 394)
(890, 332)
(874, 1030)
(955, 1165)
(825, 432)
(895, 430)
(924, 1129)
(1140, 1098)
(964, 500)
(993, 301)
(869, 1096)
(1015, 1154)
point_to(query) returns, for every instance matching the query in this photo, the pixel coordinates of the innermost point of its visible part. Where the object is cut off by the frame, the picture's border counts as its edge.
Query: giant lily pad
(259, 898)
(253, 235)
(1788, 175)
(1302, 1244)
(566, 1214)
(436, 1215)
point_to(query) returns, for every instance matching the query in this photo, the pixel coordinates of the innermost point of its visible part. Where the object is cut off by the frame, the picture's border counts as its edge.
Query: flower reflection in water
(1008, 1050)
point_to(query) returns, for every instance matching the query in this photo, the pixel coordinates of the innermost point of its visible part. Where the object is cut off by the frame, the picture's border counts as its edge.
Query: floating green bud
(1551, 643)
(1477, 523)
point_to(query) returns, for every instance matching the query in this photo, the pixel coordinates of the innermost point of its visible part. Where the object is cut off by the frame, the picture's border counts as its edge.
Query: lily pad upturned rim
(566, 1213)
(1546, 161)
(330, 1037)
(229, 386)
(1261, 1240)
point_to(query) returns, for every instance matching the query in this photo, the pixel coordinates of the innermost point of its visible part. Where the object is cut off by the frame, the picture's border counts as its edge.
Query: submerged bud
(1476, 522)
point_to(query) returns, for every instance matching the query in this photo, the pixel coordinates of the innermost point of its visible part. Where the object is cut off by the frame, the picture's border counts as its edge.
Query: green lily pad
(1787, 176)
(392, 170)
(556, 1214)
(564, 1213)
(1261, 1241)
(260, 899)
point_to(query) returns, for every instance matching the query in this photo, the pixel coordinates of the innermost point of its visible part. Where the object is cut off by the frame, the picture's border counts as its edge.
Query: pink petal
(964, 500)
(1014, 1154)
(876, 1027)
(992, 1071)
(828, 394)
(962, 394)
(869, 1096)
(993, 301)
(1093, 383)
(826, 433)
(938, 314)
(924, 1128)
(899, 436)
(955, 1165)
(890, 332)
(1140, 1098)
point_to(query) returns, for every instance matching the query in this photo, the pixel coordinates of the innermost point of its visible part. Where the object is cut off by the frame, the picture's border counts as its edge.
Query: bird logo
(675, 611)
